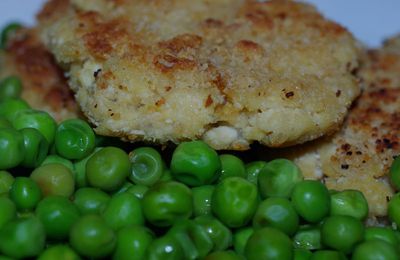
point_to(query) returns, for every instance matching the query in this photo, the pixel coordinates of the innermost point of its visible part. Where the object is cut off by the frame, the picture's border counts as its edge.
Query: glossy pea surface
(234, 201)
(90, 236)
(131, 239)
(39, 120)
(311, 199)
(57, 214)
(108, 168)
(12, 150)
(22, 238)
(25, 193)
(123, 210)
(74, 139)
(36, 147)
(147, 166)
(279, 245)
(91, 200)
(278, 177)
(195, 163)
(167, 202)
(54, 179)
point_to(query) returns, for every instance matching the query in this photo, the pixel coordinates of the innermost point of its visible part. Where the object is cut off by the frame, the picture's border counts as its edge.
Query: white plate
(371, 21)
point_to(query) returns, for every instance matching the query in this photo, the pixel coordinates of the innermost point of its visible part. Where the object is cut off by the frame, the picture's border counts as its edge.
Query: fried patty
(360, 155)
(228, 72)
(44, 85)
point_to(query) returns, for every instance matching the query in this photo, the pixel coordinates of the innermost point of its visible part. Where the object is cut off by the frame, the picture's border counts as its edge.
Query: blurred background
(370, 20)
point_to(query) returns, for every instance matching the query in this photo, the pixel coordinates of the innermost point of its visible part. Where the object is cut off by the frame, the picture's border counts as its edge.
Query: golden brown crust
(360, 155)
(237, 71)
(45, 86)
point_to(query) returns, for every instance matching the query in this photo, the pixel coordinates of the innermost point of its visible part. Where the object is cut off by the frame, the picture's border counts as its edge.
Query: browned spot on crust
(52, 8)
(213, 23)
(160, 102)
(43, 80)
(103, 35)
(182, 42)
(248, 45)
(260, 18)
(209, 101)
(167, 63)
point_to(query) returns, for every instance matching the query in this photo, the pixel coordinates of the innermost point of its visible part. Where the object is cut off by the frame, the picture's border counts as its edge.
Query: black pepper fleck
(344, 166)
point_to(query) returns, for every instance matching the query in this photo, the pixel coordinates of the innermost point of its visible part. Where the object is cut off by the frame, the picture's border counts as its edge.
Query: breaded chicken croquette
(360, 155)
(44, 85)
(227, 72)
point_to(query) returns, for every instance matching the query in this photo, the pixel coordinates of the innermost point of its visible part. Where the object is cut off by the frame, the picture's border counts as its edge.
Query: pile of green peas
(65, 193)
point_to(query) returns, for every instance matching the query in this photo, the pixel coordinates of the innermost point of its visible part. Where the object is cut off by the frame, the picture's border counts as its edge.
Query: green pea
(36, 147)
(202, 200)
(22, 238)
(394, 173)
(224, 255)
(394, 209)
(240, 238)
(108, 168)
(6, 181)
(4, 123)
(193, 239)
(199, 237)
(327, 255)
(308, 237)
(166, 248)
(311, 199)
(231, 166)
(54, 179)
(57, 214)
(10, 107)
(10, 87)
(278, 178)
(278, 213)
(91, 200)
(138, 190)
(269, 243)
(59, 252)
(8, 31)
(147, 166)
(382, 233)
(132, 239)
(166, 175)
(25, 193)
(234, 201)
(90, 236)
(375, 249)
(302, 254)
(349, 203)
(195, 163)
(12, 151)
(123, 210)
(39, 120)
(253, 170)
(8, 211)
(179, 231)
(167, 202)
(74, 139)
(80, 169)
(3, 257)
(220, 235)
(342, 233)
(125, 187)
(53, 158)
